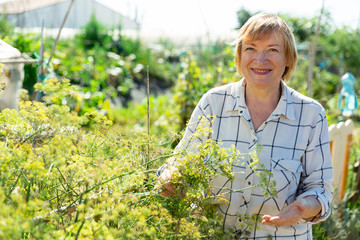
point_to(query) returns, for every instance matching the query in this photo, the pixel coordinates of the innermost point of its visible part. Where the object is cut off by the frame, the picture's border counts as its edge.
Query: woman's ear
(285, 71)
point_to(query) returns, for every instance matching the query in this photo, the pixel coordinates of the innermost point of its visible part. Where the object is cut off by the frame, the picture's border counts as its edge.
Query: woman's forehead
(273, 36)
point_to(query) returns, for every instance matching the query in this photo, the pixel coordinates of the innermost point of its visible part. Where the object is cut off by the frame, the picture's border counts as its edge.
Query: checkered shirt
(294, 147)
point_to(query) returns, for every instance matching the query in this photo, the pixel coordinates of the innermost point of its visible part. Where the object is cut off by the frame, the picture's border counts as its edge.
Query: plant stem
(12, 188)
(148, 110)
(78, 232)
(77, 213)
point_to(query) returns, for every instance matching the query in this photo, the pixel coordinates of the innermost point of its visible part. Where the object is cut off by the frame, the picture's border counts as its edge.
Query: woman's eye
(274, 50)
(249, 49)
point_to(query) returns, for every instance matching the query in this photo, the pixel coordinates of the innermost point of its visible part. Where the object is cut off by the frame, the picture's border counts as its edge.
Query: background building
(31, 14)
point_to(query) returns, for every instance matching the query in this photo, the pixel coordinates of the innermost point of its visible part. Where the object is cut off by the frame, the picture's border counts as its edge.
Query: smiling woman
(290, 128)
(265, 53)
(263, 64)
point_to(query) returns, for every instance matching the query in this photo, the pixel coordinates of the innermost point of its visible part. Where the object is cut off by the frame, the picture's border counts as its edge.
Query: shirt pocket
(286, 173)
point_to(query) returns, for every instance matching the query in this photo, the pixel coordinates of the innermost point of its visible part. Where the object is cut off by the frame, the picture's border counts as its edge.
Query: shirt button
(254, 140)
(249, 183)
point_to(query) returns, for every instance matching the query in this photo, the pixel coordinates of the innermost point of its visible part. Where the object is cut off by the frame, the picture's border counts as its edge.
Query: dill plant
(67, 176)
(192, 171)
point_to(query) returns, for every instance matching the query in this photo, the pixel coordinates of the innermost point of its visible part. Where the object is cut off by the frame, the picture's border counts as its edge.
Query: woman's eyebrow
(274, 45)
(253, 44)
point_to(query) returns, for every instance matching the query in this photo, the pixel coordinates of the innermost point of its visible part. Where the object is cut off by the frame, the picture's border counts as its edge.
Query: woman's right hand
(168, 190)
(166, 186)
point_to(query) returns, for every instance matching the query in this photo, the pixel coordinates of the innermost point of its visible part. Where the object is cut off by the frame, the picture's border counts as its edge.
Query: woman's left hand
(303, 208)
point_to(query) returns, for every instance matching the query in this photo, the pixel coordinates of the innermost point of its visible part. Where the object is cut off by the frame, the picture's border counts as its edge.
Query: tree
(6, 29)
(342, 52)
(304, 28)
(242, 16)
(94, 33)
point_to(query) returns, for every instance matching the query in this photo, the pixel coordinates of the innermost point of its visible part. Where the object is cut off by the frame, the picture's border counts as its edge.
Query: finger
(183, 193)
(271, 223)
(166, 176)
(266, 217)
(271, 220)
(169, 189)
(164, 194)
(278, 221)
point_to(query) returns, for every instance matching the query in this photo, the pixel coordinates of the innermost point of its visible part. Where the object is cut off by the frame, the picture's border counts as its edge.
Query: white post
(340, 143)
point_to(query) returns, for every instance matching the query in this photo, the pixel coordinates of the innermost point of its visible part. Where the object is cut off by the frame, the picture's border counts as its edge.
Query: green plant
(163, 116)
(68, 176)
(343, 223)
(194, 81)
(94, 33)
(27, 43)
(6, 29)
(325, 84)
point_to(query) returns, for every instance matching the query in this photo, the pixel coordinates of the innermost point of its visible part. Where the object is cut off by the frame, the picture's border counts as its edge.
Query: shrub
(68, 176)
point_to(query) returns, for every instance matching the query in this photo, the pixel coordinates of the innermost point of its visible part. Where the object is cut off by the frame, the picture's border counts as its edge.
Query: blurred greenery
(98, 69)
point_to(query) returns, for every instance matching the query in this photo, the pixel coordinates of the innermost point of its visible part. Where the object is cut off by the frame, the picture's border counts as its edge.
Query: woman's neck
(261, 103)
(264, 96)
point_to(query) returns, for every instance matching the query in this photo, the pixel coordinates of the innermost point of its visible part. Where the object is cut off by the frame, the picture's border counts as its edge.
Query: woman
(260, 110)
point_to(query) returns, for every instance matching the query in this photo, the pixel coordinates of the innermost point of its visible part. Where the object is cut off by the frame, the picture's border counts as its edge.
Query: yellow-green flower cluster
(65, 176)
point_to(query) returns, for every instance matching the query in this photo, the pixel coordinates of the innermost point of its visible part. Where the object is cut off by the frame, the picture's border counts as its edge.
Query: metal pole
(58, 36)
(37, 94)
(312, 52)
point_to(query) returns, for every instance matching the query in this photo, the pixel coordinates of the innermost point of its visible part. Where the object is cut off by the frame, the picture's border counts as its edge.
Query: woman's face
(263, 61)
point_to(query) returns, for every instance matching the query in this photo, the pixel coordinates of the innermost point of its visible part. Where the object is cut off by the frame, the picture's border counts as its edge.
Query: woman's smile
(260, 71)
(263, 61)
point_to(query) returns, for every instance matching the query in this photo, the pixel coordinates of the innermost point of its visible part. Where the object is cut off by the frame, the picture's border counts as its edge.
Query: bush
(344, 222)
(68, 176)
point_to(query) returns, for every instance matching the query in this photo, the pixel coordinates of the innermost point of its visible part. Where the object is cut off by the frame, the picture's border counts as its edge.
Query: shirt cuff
(170, 162)
(325, 207)
(160, 170)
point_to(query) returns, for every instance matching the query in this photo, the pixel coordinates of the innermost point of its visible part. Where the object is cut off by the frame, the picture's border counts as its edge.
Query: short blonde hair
(261, 26)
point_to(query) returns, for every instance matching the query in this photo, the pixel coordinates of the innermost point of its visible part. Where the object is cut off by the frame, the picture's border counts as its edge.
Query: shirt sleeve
(198, 130)
(199, 127)
(317, 175)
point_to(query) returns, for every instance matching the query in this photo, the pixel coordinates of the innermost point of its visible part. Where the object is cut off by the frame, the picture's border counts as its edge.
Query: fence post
(340, 144)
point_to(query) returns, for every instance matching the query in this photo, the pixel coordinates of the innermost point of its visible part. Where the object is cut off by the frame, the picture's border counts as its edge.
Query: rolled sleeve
(198, 129)
(317, 176)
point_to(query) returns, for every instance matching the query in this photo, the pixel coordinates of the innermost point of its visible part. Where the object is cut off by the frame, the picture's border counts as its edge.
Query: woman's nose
(261, 57)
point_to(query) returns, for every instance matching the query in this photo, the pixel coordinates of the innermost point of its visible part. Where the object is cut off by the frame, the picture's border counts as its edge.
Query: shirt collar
(284, 107)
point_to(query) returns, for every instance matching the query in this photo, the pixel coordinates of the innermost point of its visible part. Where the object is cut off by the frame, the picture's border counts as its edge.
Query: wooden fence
(340, 145)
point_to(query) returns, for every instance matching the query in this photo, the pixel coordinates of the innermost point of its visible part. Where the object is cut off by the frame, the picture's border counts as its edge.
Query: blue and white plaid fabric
(294, 145)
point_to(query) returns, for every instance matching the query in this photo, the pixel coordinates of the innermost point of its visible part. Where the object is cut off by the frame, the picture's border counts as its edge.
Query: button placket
(252, 148)
(248, 183)
(249, 175)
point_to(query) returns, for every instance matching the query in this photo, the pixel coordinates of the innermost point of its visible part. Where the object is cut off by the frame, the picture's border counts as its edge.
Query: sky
(217, 17)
